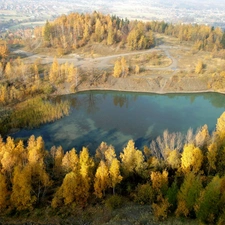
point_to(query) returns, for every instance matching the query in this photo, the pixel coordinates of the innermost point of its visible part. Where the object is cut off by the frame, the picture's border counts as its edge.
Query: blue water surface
(116, 117)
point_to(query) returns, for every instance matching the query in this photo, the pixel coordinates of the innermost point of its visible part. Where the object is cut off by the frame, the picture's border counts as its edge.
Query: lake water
(116, 117)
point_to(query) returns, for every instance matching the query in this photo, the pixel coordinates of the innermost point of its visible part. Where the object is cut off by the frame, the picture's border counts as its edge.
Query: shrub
(144, 194)
(114, 202)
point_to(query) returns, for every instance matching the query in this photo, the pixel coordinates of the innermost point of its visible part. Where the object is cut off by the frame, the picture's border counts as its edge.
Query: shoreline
(140, 91)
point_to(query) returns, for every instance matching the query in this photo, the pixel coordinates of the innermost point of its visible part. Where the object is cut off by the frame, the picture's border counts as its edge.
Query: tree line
(186, 180)
(75, 30)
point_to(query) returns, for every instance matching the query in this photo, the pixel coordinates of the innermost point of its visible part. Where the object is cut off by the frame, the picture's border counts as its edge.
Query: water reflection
(116, 117)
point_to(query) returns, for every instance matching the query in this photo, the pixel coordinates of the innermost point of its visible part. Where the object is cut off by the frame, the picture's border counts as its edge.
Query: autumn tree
(159, 182)
(199, 67)
(207, 205)
(117, 69)
(70, 161)
(40, 179)
(54, 71)
(114, 174)
(124, 67)
(22, 197)
(101, 181)
(174, 159)
(107, 155)
(202, 137)
(212, 154)
(70, 191)
(220, 126)
(57, 155)
(110, 36)
(188, 194)
(132, 159)
(86, 164)
(4, 193)
(46, 32)
(191, 159)
(137, 69)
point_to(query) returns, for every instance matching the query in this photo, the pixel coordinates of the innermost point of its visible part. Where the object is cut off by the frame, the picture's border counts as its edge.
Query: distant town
(18, 14)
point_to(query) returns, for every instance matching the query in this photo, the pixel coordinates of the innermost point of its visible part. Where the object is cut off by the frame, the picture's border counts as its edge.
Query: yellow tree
(70, 160)
(137, 69)
(98, 27)
(188, 194)
(199, 67)
(4, 193)
(173, 159)
(57, 155)
(40, 179)
(159, 182)
(132, 159)
(72, 75)
(114, 174)
(101, 181)
(220, 126)
(8, 70)
(70, 191)
(21, 197)
(110, 37)
(124, 67)
(4, 51)
(117, 69)
(54, 71)
(86, 164)
(212, 156)
(36, 151)
(202, 137)
(8, 160)
(191, 159)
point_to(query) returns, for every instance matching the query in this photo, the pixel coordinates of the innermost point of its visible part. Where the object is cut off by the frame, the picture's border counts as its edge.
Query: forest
(185, 179)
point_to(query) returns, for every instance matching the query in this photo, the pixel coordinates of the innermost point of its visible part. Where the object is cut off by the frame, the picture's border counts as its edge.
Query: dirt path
(100, 62)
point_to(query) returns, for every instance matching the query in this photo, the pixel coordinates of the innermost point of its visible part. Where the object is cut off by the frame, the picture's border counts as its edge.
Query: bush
(114, 202)
(144, 194)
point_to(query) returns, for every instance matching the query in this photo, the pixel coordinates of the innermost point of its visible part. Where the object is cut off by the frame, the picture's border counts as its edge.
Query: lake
(116, 117)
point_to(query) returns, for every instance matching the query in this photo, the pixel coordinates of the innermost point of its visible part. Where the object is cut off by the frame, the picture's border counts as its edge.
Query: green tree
(207, 207)
(46, 32)
(188, 194)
